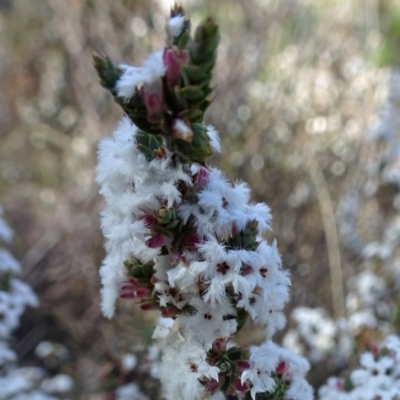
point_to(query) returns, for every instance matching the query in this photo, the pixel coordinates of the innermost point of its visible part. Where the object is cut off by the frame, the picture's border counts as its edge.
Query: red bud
(202, 178)
(173, 60)
(241, 387)
(152, 98)
(243, 364)
(169, 312)
(158, 240)
(281, 368)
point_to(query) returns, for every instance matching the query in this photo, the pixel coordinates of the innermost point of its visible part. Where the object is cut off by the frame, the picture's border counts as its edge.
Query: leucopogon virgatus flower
(19, 383)
(183, 239)
(377, 378)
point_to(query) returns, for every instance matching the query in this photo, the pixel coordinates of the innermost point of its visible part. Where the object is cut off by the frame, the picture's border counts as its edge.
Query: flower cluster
(19, 383)
(315, 335)
(386, 166)
(377, 378)
(15, 295)
(183, 239)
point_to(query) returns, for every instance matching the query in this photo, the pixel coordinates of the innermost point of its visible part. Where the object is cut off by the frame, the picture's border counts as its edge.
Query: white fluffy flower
(183, 364)
(130, 184)
(195, 240)
(152, 69)
(130, 391)
(6, 233)
(377, 377)
(214, 138)
(175, 25)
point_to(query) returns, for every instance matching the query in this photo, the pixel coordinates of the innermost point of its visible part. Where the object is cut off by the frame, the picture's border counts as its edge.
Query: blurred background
(308, 109)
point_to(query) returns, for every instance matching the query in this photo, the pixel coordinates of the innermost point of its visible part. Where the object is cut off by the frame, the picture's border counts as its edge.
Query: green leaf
(5, 281)
(184, 37)
(194, 74)
(108, 72)
(242, 315)
(234, 354)
(148, 144)
(196, 150)
(191, 93)
(136, 272)
(148, 270)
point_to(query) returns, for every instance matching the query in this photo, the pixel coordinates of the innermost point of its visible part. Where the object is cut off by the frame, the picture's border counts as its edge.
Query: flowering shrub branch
(183, 239)
(377, 378)
(19, 383)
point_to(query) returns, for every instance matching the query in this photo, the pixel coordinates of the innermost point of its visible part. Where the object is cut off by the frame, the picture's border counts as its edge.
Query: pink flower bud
(202, 178)
(127, 290)
(158, 240)
(152, 98)
(192, 241)
(219, 344)
(169, 312)
(174, 257)
(173, 60)
(246, 270)
(127, 287)
(130, 290)
(149, 220)
(142, 292)
(241, 387)
(374, 349)
(243, 364)
(340, 384)
(127, 295)
(234, 230)
(212, 385)
(148, 306)
(281, 368)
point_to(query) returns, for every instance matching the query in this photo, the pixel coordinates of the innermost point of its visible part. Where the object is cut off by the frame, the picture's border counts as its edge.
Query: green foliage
(183, 38)
(198, 149)
(281, 385)
(244, 239)
(242, 315)
(134, 107)
(348, 384)
(388, 53)
(149, 145)
(168, 221)
(5, 281)
(107, 71)
(186, 100)
(142, 272)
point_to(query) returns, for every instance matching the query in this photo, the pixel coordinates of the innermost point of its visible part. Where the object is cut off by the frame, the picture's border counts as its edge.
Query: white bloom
(214, 138)
(183, 278)
(299, 389)
(6, 233)
(182, 365)
(175, 25)
(182, 130)
(209, 323)
(129, 362)
(7, 356)
(153, 69)
(377, 377)
(130, 391)
(265, 359)
(60, 383)
(8, 262)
